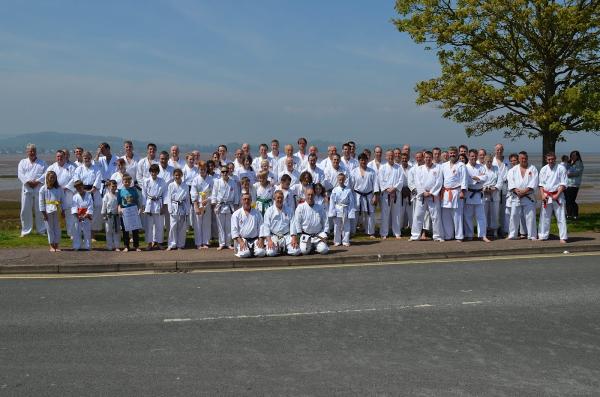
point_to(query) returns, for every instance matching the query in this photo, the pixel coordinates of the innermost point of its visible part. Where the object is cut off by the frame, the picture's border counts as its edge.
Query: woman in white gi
(110, 214)
(275, 229)
(310, 226)
(51, 203)
(223, 199)
(201, 191)
(178, 203)
(366, 190)
(83, 210)
(91, 176)
(29, 171)
(154, 195)
(453, 194)
(553, 183)
(492, 189)
(264, 192)
(390, 181)
(341, 209)
(428, 181)
(246, 170)
(522, 182)
(245, 230)
(474, 203)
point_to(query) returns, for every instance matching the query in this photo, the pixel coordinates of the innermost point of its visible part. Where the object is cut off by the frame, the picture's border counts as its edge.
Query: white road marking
(473, 303)
(176, 320)
(424, 305)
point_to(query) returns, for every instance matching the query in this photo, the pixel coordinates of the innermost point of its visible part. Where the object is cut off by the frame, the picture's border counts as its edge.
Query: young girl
(52, 200)
(320, 197)
(117, 176)
(341, 210)
(246, 170)
(178, 203)
(201, 189)
(128, 196)
(155, 189)
(110, 213)
(264, 192)
(83, 209)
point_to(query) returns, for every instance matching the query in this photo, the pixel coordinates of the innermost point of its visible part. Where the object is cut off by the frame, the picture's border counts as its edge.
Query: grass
(10, 224)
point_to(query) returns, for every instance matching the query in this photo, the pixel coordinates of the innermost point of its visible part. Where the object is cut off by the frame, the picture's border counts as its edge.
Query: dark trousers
(571, 206)
(136, 236)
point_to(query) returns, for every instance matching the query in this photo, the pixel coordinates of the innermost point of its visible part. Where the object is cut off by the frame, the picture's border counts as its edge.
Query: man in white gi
(274, 155)
(428, 181)
(288, 169)
(175, 160)
(223, 198)
(301, 155)
(474, 205)
(64, 174)
(30, 171)
(223, 160)
(245, 230)
(332, 172)
(107, 163)
(453, 195)
(390, 181)
(143, 166)
(553, 182)
(78, 153)
(318, 175)
(326, 162)
(365, 185)
(262, 156)
(503, 165)
(283, 161)
(131, 160)
(347, 160)
(376, 162)
(275, 229)
(491, 194)
(201, 189)
(310, 226)
(522, 182)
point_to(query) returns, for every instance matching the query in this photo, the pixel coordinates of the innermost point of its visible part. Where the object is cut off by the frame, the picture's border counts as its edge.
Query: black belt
(366, 197)
(528, 196)
(88, 187)
(475, 191)
(115, 218)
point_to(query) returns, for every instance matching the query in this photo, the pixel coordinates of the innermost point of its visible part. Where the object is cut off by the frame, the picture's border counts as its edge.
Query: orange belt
(449, 190)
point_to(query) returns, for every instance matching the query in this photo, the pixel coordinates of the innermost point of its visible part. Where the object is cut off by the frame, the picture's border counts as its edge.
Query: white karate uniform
(289, 197)
(311, 224)
(365, 185)
(154, 196)
(474, 204)
(64, 175)
(491, 197)
(53, 202)
(295, 175)
(31, 171)
(427, 180)
(550, 180)
(143, 169)
(525, 204)
(264, 197)
(342, 209)
(391, 176)
(318, 175)
(131, 166)
(202, 190)
(91, 176)
(257, 161)
(178, 204)
(276, 225)
(83, 226)
(455, 181)
(503, 207)
(248, 173)
(107, 167)
(112, 220)
(349, 164)
(223, 198)
(302, 160)
(247, 226)
(180, 163)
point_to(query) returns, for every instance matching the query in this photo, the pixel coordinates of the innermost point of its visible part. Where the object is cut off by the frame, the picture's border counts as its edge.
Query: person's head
(523, 159)
(231, 168)
(67, 154)
(389, 156)
(275, 146)
(202, 168)
(264, 166)
(564, 159)
(437, 154)
(404, 160)
(78, 153)
(309, 196)
(222, 150)
(306, 178)
(346, 151)
(341, 179)
(319, 189)
(174, 152)
(51, 180)
(247, 162)
(331, 150)
(210, 167)
(154, 170)
(352, 148)
(418, 157)
(263, 149)
(151, 150)
(289, 163)
(87, 158)
(246, 148)
(302, 144)
(335, 161)
(367, 152)
(288, 150)
(31, 151)
(487, 160)
(551, 159)
(452, 154)
(245, 183)
(127, 180)
(190, 159)
(312, 160)
(263, 178)
(163, 159)
(575, 156)
(215, 157)
(481, 153)
(246, 201)
(472, 156)
(463, 149)
(225, 173)
(378, 151)
(239, 155)
(444, 156)
(278, 199)
(499, 150)
(121, 165)
(285, 181)
(128, 148)
(78, 185)
(406, 149)
(428, 158)
(514, 159)
(397, 153)
(60, 157)
(178, 175)
(104, 149)
(313, 150)
(112, 186)
(363, 160)
(196, 154)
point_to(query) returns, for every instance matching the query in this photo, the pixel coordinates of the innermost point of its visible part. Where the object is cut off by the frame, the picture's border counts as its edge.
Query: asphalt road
(509, 327)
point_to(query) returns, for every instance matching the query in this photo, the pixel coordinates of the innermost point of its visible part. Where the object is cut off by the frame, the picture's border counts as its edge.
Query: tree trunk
(548, 145)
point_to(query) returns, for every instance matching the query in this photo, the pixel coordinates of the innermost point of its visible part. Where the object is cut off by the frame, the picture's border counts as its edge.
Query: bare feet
(398, 238)
(125, 249)
(52, 249)
(220, 247)
(169, 248)
(563, 241)
(487, 240)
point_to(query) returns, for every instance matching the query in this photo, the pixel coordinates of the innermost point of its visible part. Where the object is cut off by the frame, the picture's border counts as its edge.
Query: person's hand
(260, 243)
(242, 244)
(426, 194)
(294, 242)
(270, 244)
(461, 195)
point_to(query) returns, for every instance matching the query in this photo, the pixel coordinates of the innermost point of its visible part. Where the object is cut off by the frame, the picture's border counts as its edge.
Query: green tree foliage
(527, 68)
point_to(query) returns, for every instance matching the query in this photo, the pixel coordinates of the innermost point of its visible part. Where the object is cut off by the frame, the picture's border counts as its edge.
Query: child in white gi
(83, 209)
(341, 209)
(155, 190)
(51, 201)
(201, 190)
(110, 213)
(264, 192)
(178, 203)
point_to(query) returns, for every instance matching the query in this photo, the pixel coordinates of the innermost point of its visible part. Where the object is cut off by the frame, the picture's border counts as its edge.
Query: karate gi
(349, 164)
(224, 196)
(201, 191)
(82, 205)
(52, 200)
(318, 175)
(180, 163)
(154, 196)
(248, 173)
(246, 225)
(302, 159)
(31, 171)
(282, 164)
(264, 197)
(64, 175)
(474, 206)
(524, 204)
(107, 168)
(406, 212)
(178, 204)
(491, 197)
(143, 169)
(365, 186)
(503, 207)
(550, 180)
(256, 163)
(455, 181)
(427, 180)
(166, 174)
(131, 166)
(391, 176)
(112, 220)
(276, 225)
(295, 175)
(312, 225)
(92, 178)
(342, 209)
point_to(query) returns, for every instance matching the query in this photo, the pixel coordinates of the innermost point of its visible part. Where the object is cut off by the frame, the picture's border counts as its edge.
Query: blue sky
(220, 71)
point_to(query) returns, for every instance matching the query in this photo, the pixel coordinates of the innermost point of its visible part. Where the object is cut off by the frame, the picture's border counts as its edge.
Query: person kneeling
(245, 227)
(310, 223)
(276, 228)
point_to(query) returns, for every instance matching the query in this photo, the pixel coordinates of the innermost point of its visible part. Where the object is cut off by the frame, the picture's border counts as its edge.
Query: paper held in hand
(131, 218)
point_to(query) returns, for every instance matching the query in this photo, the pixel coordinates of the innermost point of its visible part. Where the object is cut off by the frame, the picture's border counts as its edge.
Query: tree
(527, 67)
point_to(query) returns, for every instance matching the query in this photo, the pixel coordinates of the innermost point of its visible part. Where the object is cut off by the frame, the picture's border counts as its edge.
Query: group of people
(292, 202)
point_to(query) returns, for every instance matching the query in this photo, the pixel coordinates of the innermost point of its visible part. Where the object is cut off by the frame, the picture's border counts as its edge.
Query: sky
(221, 71)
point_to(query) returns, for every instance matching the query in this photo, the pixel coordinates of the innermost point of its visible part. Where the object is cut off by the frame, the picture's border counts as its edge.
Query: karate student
(264, 192)
(287, 167)
(223, 198)
(178, 204)
(262, 156)
(245, 230)
(366, 189)
(129, 196)
(503, 166)
(390, 181)
(246, 170)
(175, 160)
(348, 162)
(91, 176)
(264, 167)
(190, 171)
(289, 194)
(64, 172)
(143, 166)
(428, 180)
(282, 164)
(341, 209)
(247, 187)
(474, 206)
(453, 195)
(83, 209)
(522, 182)
(553, 182)
(301, 155)
(318, 175)
(29, 171)
(377, 159)
(106, 162)
(310, 226)
(406, 213)
(110, 214)
(51, 202)
(117, 176)
(275, 229)
(491, 195)
(131, 161)
(154, 193)
(202, 186)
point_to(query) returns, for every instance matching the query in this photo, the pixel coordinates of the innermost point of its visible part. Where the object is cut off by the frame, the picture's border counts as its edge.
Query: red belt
(549, 193)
